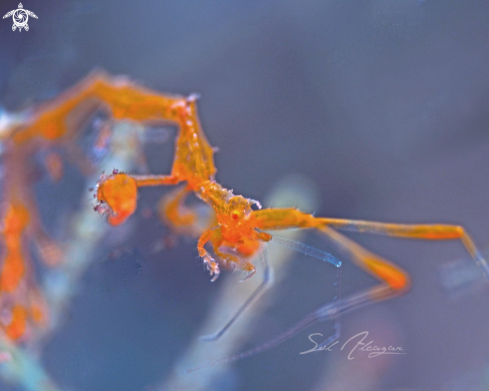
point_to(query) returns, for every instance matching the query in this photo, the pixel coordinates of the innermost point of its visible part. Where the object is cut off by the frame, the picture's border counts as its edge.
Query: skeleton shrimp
(237, 229)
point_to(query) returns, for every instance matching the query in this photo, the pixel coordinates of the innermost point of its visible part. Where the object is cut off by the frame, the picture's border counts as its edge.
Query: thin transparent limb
(395, 282)
(289, 243)
(383, 291)
(329, 311)
(267, 279)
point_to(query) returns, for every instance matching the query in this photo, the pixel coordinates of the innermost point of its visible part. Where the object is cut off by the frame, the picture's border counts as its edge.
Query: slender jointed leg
(395, 277)
(52, 121)
(267, 279)
(291, 244)
(332, 313)
(229, 260)
(394, 280)
(414, 231)
(209, 262)
(174, 212)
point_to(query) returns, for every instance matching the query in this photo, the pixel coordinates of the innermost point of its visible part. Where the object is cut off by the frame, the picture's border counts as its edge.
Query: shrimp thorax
(236, 219)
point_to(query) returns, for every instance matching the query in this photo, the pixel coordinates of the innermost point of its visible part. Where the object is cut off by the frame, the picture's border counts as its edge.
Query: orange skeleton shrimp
(237, 231)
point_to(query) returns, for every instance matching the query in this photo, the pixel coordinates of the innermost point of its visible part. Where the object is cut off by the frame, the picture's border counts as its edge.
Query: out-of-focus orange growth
(51, 254)
(120, 193)
(17, 326)
(54, 166)
(14, 223)
(12, 272)
(37, 308)
(37, 313)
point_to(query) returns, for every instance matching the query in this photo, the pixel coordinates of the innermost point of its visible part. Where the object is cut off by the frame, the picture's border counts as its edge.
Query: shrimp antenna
(306, 250)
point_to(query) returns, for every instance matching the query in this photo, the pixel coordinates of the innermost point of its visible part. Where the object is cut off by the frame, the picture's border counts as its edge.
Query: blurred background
(380, 105)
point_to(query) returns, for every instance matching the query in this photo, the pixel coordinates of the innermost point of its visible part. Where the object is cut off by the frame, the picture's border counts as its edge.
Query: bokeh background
(381, 104)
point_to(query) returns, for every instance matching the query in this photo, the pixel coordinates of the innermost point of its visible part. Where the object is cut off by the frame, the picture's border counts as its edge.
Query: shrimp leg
(267, 280)
(394, 276)
(394, 280)
(267, 276)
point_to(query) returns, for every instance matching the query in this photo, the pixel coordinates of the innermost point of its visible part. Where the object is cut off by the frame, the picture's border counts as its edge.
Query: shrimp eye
(235, 215)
